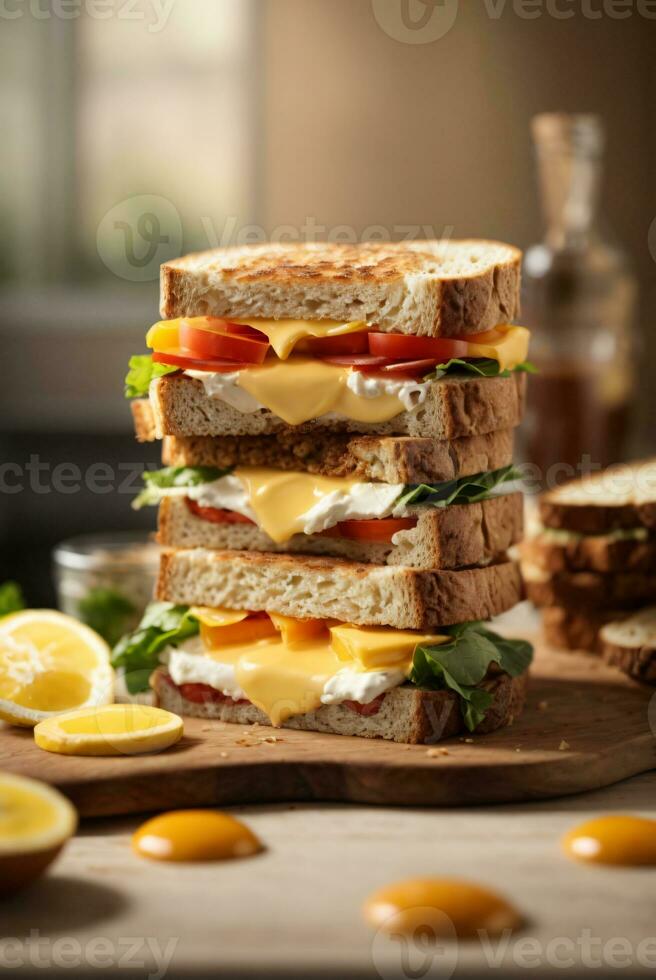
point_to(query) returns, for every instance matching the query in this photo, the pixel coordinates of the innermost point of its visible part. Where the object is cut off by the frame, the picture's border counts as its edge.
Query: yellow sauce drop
(194, 835)
(615, 839)
(444, 907)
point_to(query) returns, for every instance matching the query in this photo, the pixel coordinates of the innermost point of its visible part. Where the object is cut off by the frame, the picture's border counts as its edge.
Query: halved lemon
(50, 663)
(35, 823)
(116, 729)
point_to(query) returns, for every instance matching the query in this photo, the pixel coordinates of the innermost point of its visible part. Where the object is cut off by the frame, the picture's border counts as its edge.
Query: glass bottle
(578, 299)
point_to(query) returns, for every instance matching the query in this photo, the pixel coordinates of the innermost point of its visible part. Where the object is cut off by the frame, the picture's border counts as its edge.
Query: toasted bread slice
(562, 551)
(384, 459)
(616, 498)
(630, 645)
(573, 628)
(446, 537)
(406, 714)
(427, 288)
(329, 588)
(456, 406)
(585, 590)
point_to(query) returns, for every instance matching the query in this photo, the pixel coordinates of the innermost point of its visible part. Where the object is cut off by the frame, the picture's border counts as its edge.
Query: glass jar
(578, 299)
(106, 580)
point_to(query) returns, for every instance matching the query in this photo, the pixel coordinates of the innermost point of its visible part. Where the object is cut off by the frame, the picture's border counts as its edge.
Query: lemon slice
(35, 823)
(50, 663)
(116, 729)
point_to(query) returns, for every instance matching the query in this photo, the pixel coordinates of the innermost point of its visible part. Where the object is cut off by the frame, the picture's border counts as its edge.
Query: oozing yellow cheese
(302, 388)
(217, 617)
(283, 334)
(280, 499)
(509, 350)
(286, 674)
(379, 647)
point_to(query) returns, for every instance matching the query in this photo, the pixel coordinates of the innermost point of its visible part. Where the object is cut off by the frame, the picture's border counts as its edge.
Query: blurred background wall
(134, 132)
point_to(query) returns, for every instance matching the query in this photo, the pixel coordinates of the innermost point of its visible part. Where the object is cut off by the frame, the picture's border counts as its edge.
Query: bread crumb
(224, 755)
(469, 741)
(433, 753)
(563, 747)
(272, 738)
(543, 705)
(518, 748)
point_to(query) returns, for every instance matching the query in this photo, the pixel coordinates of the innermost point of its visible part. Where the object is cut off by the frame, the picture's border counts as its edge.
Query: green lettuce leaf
(106, 611)
(163, 624)
(465, 490)
(486, 367)
(159, 481)
(461, 665)
(142, 370)
(11, 598)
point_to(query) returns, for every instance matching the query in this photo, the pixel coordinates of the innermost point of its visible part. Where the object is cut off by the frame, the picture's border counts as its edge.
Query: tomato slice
(411, 369)
(185, 359)
(222, 344)
(366, 709)
(398, 346)
(347, 343)
(377, 529)
(359, 361)
(216, 515)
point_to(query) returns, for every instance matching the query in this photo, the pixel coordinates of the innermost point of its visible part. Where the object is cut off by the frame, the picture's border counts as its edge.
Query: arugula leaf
(142, 370)
(11, 598)
(107, 612)
(465, 490)
(158, 481)
(486, 367)
(163, 624)
(461, 665)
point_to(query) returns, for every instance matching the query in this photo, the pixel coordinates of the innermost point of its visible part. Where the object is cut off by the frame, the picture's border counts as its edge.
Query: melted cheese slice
(283, 334)
(507, 345)
(286, 674)
(217, 617)
(280, 500)
(303, 388)
(379, 647)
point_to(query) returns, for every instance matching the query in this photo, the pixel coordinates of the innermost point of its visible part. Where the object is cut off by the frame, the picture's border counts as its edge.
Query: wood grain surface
(585, 726)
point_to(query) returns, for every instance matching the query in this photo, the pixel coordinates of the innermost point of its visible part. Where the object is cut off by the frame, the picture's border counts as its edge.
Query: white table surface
(296, 909)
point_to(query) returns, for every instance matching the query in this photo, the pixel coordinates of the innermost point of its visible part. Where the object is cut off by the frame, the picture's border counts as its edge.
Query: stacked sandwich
(591, 563)
(337, 426)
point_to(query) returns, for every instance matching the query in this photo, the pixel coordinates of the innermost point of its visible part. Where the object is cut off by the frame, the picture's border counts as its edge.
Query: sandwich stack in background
(337, 426)
(591, 566)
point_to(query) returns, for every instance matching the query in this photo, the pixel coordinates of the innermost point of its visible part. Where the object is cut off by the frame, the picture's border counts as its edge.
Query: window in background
(100, 112)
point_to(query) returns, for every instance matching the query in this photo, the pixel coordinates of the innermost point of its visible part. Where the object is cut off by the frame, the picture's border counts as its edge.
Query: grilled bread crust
(384, 459)
(331, 588)
(426, 288)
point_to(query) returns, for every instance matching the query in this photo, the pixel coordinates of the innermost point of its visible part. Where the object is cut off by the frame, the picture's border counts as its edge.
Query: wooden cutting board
(585, 726)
